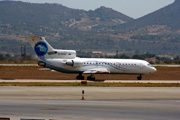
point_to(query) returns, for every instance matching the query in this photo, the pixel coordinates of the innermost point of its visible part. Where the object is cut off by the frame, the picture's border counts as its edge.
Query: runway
(91, 110)
(73, 81)
(101, 103)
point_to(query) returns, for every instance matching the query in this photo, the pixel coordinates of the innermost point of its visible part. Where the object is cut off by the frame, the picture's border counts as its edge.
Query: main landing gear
(139, 77)
(80, 77)
(91, 77)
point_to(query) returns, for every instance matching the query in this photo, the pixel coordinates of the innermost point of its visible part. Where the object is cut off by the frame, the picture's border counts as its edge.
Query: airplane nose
(153, 69)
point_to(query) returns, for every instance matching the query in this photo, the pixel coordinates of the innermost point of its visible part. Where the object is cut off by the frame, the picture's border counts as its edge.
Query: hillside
(168, 16)
(105, 14)
(58, 23)
(101, 29)
(54, 15)
(157, 32)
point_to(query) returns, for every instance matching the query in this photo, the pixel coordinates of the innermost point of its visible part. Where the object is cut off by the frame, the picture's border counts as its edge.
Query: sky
(131, 8)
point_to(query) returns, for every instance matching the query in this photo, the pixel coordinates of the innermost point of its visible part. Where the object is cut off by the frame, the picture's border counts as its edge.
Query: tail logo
(41, 48)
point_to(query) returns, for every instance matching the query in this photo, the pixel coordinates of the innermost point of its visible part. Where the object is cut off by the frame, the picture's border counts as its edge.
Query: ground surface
(35, 72)
(101, 103)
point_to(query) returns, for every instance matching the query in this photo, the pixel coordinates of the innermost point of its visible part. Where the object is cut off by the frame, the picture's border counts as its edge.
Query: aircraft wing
(96, 70)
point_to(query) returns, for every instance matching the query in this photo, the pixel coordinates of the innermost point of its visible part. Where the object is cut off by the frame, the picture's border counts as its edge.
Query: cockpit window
(150, 65)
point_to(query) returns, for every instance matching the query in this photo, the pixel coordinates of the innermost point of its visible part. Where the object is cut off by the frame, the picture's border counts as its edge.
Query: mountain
(157, 32)
(19, 13)
(101, 29)
(105, 13)
(65, 26)
(168, 16)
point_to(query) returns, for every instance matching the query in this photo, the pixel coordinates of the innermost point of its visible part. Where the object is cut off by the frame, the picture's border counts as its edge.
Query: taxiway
(75, 81)
(101, 103)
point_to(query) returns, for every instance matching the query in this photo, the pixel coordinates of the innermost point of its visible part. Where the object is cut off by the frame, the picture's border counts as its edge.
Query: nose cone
(153, 69)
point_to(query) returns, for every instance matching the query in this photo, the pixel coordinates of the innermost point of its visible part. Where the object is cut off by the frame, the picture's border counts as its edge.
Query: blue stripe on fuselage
(100, 63)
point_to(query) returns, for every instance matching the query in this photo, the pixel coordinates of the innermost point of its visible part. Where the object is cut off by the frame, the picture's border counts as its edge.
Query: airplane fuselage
(114, 66)
(68, 62)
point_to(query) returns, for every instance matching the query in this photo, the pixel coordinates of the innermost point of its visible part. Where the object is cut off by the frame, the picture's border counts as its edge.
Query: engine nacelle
(63, 54)
(74, 63)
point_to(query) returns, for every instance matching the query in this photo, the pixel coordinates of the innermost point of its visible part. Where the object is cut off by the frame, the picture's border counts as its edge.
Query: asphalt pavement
(101, 103)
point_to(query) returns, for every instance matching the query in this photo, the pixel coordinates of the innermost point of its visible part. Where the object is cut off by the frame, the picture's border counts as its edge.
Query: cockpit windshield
(150, 65)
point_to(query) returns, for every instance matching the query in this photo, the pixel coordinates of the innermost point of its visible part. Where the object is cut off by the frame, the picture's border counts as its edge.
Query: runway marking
(79, 81)
(52, 109)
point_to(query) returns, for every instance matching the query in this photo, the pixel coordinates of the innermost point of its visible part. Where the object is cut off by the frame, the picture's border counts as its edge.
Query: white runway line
(106, 81)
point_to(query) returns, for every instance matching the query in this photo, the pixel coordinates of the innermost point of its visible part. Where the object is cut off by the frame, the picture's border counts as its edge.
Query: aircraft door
(141, 66)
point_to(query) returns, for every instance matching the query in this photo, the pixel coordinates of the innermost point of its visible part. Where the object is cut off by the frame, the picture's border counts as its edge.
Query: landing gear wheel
(80, 77)
(91, 77)
(139, 77)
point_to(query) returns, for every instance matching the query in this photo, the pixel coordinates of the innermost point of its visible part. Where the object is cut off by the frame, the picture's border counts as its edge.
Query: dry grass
(13, 72)
(18, 61)
(93, 84)
(34, 72)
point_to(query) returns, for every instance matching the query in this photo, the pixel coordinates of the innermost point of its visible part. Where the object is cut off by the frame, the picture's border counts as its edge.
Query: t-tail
(45, 51)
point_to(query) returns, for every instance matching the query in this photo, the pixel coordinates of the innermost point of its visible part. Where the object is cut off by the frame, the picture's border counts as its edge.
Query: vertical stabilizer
(44, 50)
(40, 46)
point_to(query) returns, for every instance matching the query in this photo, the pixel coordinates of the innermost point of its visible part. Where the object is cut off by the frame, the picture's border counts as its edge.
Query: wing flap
(96, 70)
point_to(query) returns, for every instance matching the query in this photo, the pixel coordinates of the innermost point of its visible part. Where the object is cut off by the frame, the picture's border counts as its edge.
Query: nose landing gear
(139, 77)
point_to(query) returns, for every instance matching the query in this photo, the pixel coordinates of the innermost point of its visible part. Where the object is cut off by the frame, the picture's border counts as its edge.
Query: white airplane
(66, 61)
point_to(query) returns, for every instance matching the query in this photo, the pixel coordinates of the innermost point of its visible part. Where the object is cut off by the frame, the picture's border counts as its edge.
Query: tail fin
(41, 46)
(44, 50)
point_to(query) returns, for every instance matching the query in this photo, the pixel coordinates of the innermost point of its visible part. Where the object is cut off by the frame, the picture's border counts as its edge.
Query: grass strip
(91, 84)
